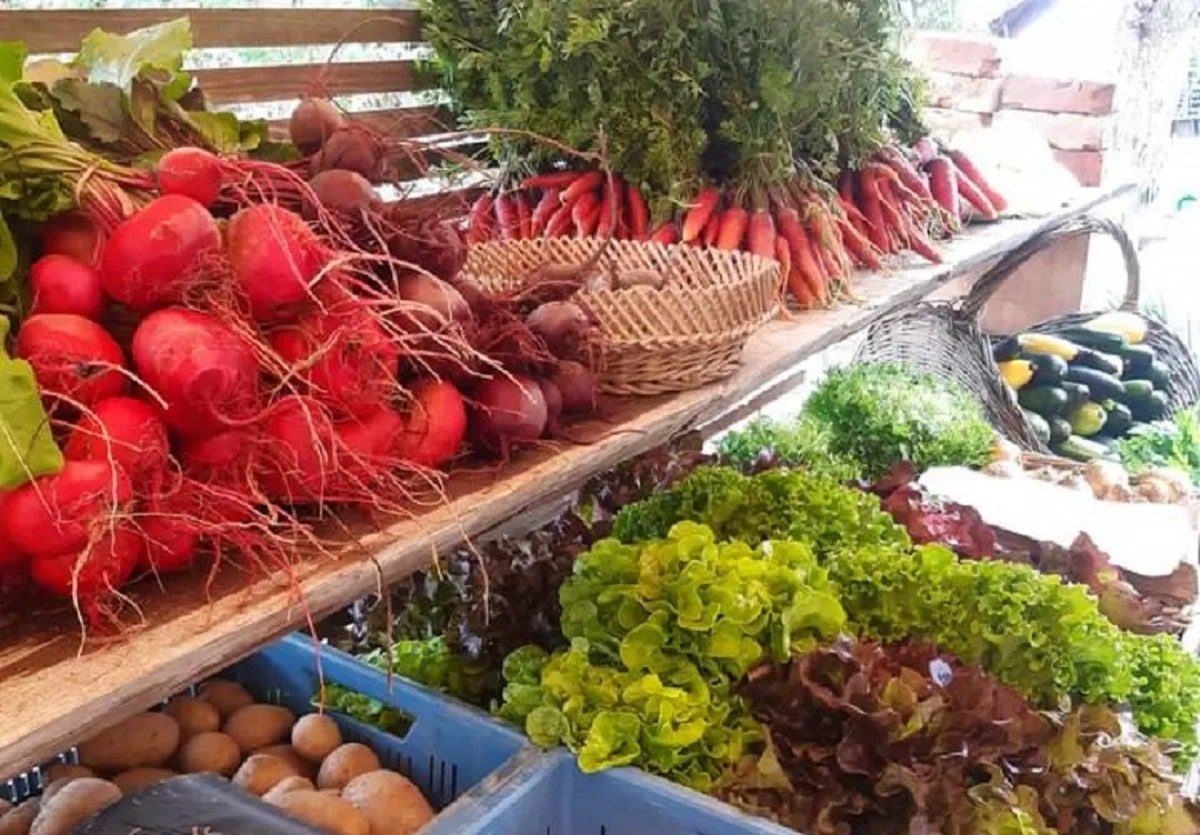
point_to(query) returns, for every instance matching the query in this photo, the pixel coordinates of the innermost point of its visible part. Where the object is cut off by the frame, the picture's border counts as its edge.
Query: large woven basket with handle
(651, 341)
(944, 338)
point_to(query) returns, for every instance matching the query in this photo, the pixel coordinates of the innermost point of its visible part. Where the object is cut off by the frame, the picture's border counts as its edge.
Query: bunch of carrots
(900, 200)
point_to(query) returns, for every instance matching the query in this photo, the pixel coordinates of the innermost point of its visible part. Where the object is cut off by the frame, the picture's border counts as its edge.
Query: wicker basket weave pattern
(651, 341)
(945, 338)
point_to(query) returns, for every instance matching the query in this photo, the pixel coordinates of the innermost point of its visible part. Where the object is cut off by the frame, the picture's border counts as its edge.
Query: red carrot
(967, 167)
(893, 215)
(783, 254)
(560, 222)
(846, 187)
(506, 218)
(908, 175)
(731, 228)
(667, 233)
(553, 180)
(479, 223)
(807, 280)
(857, 244)
(639, 214)
(943, 184)
(524, 216)
(925, 149)
(761, 236)
(919, 244)
(581, 185)
(586, 214)
(971, 193)
(545, 210)
(869, 203)
(828, 238)
(699, 214)
(610, 208)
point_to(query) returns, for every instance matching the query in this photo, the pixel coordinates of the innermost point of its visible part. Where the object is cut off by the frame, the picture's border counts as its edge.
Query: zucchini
(1088, 419)
(1081, 449)
(1077, 393)
(1130, 326)
(1060, 430)
(1047, 401)
(1039, 425)
(1048, 369)
(1109, 343)
(1137, 359)
(1158, 374)
(1136, 390)
(1044, 343)
(1017, 373)
(1006, 349)
(1107, 441)
(1103, 386)
(1108, 363)
(1120, 418)
(1153, 408)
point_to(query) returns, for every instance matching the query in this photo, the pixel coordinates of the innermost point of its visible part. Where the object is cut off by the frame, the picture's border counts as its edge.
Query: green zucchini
(1153, 408)
(1060, 430)
(1087, 419)
(1137, 359)
(1105, 440)
(1081, 449)
(1006, 349)
(1103, 386)
(1077, 393)
(1100, 361)
(1120, 418)
(1039, 425)
(1158, 374)
(1047, 401)
(1136, 390)
(1048, 369)
(1109, 343)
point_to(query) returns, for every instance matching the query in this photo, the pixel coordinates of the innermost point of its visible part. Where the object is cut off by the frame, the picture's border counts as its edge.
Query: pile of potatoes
(302, 766)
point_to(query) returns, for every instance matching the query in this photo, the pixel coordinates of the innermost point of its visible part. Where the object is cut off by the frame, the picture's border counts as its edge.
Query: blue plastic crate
(551, 796)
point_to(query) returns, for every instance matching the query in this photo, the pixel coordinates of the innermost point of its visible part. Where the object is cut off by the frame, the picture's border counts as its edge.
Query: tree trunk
(1152, 58)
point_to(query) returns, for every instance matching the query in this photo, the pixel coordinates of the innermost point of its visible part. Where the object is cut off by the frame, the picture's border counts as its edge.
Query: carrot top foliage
(733, 89)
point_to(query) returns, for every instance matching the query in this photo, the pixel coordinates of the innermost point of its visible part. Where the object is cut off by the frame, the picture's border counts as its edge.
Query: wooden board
(54, 693)
(60, 30)
(239, 85)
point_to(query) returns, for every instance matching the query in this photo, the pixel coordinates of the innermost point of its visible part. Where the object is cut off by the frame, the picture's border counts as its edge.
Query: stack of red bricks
(969, 89)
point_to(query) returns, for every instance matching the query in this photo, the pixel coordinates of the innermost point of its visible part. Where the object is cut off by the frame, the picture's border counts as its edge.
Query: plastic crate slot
(454, 780)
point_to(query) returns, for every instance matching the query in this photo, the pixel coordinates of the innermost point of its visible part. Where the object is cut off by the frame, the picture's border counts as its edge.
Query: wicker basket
(650, 341)
(945, 338)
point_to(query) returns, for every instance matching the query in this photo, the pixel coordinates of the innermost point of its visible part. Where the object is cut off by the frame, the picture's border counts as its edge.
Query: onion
(508, 410)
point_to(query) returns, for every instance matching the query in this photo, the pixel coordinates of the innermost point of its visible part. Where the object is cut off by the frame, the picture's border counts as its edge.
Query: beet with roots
(508, 410)
(577, 385)
(445, 303)
(435, 245)
(351, 149)
(554, 404)
(312, 122)
(342, 192)
(561, 325)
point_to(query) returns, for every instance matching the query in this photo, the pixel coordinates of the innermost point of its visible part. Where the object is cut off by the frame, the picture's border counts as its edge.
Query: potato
(74, 803)
(51, 789)
(344, 763)
(146, 739)
(138, 778)
(288, 754)
(259, 774)
(392, 804)
(315, 735)
(195, 716)
(287, 784)
(18, 821)
(60, 770)
(226, 696)
(210, 751)
(257, 726)
(326, 812)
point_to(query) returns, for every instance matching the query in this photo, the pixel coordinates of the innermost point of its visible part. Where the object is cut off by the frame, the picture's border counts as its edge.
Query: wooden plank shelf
(53, 692)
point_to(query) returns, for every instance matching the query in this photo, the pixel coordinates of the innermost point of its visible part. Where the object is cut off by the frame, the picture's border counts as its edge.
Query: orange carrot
(909, 176)
(544, 210)
(524, 216)
(971, 193)
(699, 214)
(582, 184)
(731, 228)
(863, 251)
(555, 180)
(783, 254)
(761, 238)
(995, 198)
(807, 280)
(639, 214)
(711, 229)
(667, 233)
(869, 203)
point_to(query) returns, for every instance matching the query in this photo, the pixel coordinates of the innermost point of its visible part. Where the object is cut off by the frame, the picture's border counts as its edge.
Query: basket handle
(1062, 230)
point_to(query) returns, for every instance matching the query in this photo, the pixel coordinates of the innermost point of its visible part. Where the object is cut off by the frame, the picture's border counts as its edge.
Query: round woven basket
(944, 338)
(651, 341)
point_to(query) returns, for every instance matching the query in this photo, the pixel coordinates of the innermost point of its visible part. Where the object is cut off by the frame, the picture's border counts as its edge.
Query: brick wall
(970, 88)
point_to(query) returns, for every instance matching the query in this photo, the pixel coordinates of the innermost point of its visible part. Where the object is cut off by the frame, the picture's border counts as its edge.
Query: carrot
(807, 279)
(506, 217)
(479, 223)
(731, 228)
(893, 215)
(582, 184)
(925, 149)
(639, 214)
(870, 205)
(829, 239)
(560, 222)
(667, 233)
(544, 210)
(586, 214)
(699, 214)
(524, 216)
(909, 176)
(783, 254)
(943, 184)
(971, 193)
(857, 244)
(610, 208)
(976, 176)
(760, 235)
(897, 190)
(711, 229)
(554, 180)
(921, 245)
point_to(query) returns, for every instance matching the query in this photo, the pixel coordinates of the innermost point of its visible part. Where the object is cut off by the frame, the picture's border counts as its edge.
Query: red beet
(92, 570)
(436, 426)
(275, 259)
(71, 356)
(59, 513)
(508, 411)
(192, 172)
(127, 432)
